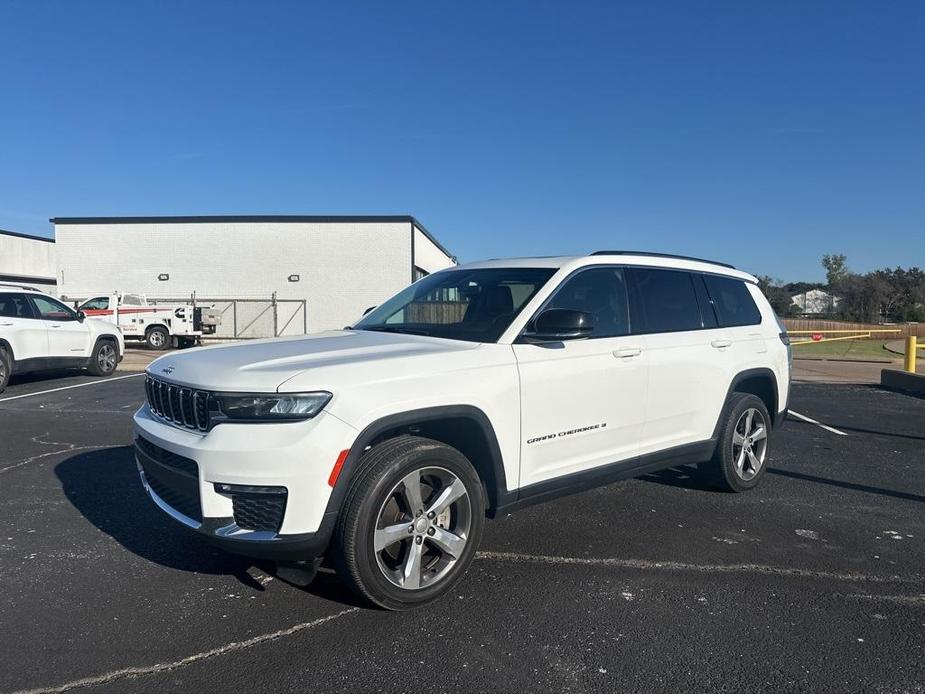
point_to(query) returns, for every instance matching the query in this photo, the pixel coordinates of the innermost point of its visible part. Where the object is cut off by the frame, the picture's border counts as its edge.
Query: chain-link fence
(250, 317)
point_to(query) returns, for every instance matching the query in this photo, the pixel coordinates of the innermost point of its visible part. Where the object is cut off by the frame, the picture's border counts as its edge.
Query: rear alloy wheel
(157, 338)
(104, 359)
(741, 453)
(411, 522)
(5, 369)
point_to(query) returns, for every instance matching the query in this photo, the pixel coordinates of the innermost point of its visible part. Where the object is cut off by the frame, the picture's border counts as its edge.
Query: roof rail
(665, 255)
(16, 285)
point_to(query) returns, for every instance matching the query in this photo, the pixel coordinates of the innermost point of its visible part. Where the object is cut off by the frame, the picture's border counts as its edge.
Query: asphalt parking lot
(815, 581)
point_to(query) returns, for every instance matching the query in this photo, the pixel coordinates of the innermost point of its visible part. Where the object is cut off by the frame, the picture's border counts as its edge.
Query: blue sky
(763, 134)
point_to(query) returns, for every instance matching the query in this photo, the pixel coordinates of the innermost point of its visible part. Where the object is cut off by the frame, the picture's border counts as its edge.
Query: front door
(68, 338)
(583, 401)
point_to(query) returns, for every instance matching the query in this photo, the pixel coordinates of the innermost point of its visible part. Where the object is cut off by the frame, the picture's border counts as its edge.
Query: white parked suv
(476, 390)
(38, 332)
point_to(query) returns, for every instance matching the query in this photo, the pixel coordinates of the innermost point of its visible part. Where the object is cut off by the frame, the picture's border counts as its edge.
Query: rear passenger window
(15, 306)
(665, 300)
(732, 301)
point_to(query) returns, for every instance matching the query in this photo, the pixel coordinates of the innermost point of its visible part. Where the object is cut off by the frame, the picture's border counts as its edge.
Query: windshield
(471, 305)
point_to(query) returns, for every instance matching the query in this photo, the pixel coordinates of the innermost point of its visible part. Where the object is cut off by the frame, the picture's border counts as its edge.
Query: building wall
(427, 255)
(344, 267)
(30, 259)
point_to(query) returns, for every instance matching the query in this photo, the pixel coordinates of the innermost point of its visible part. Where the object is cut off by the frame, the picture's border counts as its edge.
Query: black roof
(320, 219)
(4, 232)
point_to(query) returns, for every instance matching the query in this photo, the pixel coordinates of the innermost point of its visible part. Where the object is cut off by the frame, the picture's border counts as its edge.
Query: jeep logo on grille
(167, 370)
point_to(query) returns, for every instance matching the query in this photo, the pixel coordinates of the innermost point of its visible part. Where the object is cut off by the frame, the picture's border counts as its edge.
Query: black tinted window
(733, 302)
(600, 292)
(15, 306)
(666, 301)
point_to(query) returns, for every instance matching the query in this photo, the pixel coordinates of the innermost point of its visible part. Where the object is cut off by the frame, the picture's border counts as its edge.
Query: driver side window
(100, 303)
(601, 292)
(49, 309)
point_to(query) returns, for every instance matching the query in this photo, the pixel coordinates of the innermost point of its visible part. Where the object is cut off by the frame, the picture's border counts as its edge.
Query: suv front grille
(184, 406)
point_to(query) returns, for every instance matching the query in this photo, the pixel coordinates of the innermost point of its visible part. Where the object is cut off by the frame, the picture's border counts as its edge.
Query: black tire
(6, 368)
(157, 338)
(373, 495)
(732, 469)
(105, 358)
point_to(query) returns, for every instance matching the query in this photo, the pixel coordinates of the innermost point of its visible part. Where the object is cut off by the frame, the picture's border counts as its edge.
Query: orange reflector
(335, 473)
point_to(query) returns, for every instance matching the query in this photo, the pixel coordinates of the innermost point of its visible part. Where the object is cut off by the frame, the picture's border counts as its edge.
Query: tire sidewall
(94, 367)
(739, 403)
(377, 587)
(160, 330)
(7, 369)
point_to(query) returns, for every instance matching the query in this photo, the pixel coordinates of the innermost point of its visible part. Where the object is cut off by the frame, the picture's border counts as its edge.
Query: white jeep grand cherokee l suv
(476, 390)
(38, 332)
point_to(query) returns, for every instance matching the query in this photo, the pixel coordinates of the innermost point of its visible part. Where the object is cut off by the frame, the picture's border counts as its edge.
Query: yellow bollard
(911, 348)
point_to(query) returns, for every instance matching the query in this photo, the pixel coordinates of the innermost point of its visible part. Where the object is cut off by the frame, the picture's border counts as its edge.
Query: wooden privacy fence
(819, 325)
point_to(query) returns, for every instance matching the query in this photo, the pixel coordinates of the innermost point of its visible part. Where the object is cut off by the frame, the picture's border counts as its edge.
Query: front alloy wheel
(410, 524)
(422, 528)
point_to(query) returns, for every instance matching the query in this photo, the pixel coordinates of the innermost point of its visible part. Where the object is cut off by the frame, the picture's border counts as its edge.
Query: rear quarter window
(732, 301)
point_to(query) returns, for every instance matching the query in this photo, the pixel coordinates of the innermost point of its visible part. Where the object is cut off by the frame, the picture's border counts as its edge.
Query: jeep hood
(265, 365)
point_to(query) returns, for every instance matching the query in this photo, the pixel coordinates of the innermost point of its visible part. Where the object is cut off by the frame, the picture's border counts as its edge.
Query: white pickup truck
(158, 325)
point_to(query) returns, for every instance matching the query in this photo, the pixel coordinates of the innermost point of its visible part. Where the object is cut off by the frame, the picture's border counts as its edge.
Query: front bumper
(296, 457)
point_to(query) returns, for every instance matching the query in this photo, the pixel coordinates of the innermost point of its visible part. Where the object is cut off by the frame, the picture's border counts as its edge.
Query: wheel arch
(760, 382)
(464, 427)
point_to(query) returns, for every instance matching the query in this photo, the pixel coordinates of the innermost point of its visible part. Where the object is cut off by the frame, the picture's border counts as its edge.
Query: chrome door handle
(627, 352)
(5, 325)
(54, 326)
(719, 344)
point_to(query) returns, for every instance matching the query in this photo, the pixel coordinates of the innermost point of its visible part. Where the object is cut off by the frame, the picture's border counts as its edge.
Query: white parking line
(818, 424)
(78, 385)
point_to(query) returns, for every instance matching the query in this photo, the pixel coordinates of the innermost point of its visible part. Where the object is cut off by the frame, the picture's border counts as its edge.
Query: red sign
(817, 337)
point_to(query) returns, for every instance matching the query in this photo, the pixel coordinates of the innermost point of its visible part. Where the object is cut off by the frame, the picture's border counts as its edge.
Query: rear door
(68, 338)
(685, 374)
(20, 327)
(583, 401)
(738, 315)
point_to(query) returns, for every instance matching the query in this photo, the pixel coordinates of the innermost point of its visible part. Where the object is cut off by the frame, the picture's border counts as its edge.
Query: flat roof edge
(20, 235)
(194, 219)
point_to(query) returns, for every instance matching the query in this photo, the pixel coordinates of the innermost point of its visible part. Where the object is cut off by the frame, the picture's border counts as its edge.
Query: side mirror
(555, 324)
(371, 308)
(81, 316)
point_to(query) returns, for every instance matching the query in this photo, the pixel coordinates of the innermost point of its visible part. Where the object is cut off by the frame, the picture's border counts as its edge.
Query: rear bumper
(199, 480)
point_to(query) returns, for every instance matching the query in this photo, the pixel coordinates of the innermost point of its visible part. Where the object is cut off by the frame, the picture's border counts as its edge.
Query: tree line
(889, 295)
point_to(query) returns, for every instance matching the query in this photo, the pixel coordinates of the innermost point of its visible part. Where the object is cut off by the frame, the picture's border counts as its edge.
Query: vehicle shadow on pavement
(104, 487)
(682, 476)
(685, 477)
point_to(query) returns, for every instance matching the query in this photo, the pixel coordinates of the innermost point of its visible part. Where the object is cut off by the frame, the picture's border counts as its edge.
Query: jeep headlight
(267, 407)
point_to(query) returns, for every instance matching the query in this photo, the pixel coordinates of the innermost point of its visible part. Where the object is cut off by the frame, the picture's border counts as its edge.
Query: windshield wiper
(396, 329)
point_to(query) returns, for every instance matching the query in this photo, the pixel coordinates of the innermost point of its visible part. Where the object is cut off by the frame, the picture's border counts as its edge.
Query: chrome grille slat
(178, 404)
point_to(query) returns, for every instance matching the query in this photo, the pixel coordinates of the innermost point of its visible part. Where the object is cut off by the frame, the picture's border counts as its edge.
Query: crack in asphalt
(700, 568)
(71, 447)
(109, 677)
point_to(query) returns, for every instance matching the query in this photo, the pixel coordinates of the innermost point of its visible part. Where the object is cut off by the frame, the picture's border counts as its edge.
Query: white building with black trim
(337, 265)
(26, 259)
